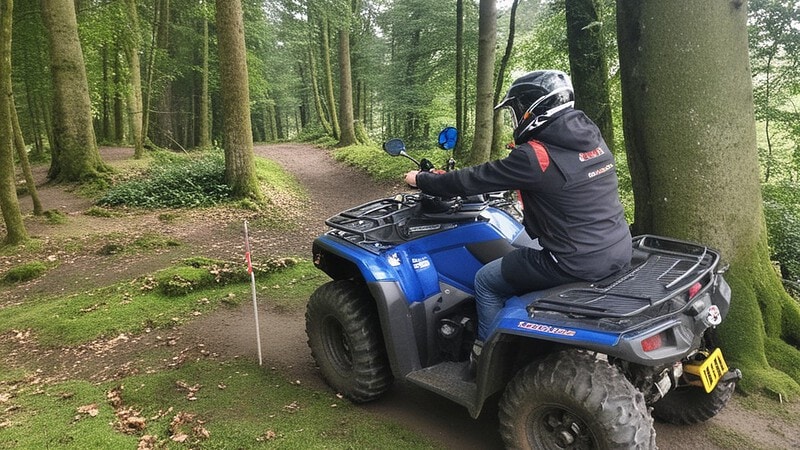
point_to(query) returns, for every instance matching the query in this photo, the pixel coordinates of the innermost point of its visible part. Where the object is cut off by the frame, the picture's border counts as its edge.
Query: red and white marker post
(252, 288)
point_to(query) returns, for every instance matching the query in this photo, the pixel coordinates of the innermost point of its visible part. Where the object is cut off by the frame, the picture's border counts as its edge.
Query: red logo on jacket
(586, 156)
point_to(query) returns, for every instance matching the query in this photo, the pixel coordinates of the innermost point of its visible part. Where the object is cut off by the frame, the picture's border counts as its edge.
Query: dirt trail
(229, 332)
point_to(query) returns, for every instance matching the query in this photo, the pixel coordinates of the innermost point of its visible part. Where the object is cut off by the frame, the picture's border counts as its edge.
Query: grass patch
(55, 217)
(119, 243)
(166, 298)
(214, 405)
(39, 416)
(383, 167)
(24, 272)
(96, 211)
(288, 290)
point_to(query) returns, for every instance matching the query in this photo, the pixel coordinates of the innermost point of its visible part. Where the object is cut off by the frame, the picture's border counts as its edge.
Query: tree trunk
(498, 147)
(484, 109)
(135, 102)
(238, 140)
(348, 132)
(587, 62)
(119, 104)
(205, 120)
(458, 151)
(691, 145)
(22, 154)
(326, 61)
(75, 155)
(12, 216)
(318, 107)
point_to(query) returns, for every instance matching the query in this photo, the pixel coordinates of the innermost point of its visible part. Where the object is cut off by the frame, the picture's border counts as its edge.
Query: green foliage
(55, 217)
(383, 167)
(197, 274)
(25, 272)
(175, 182)
(782, 213)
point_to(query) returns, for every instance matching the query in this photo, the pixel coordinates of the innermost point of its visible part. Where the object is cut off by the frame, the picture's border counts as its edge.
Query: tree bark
(458, 151)
(498, 149)
(22, 155)
(484, 114)
(588, 65)
(238, 140)
(347, 121)
(691, 144)
(75, 154)
(12, 216)
(135, 103)
(326, 62)
(205, 120)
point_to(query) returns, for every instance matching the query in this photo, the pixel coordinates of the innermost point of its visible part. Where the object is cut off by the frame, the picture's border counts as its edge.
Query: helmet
(534, 97)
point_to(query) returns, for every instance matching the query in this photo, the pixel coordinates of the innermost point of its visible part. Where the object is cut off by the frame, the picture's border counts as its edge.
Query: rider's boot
(472, 369)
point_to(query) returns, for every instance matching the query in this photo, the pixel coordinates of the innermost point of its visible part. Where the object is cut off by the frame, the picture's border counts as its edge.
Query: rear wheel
(571, 400)
(346, 341)
(691, 404)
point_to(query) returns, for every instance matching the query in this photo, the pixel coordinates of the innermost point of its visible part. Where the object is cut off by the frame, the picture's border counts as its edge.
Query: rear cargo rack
(663, 269)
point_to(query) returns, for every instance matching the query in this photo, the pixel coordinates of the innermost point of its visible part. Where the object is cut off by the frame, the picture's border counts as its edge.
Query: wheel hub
(562, 429)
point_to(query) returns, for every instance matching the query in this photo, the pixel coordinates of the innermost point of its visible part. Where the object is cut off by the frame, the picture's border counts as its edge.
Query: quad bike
(581, 365)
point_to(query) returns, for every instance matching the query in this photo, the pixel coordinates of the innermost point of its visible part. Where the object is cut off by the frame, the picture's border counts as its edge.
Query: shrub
(25, 272)
(174, 182)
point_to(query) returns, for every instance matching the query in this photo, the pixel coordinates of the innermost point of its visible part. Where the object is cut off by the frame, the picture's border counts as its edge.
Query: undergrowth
(174, 181)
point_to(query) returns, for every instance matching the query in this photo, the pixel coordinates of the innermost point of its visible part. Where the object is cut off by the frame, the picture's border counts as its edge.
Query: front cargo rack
(373, 225)
(662, 270)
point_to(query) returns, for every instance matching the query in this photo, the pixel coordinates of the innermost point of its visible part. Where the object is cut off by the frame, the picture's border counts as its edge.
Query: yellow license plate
(710, 371)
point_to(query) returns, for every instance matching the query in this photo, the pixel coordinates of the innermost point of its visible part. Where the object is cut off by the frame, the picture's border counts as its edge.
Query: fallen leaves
(191, 391)
(185, 425)
(92, 410)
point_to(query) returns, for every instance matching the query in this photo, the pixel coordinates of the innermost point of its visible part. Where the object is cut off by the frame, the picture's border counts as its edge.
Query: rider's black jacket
(568, 184)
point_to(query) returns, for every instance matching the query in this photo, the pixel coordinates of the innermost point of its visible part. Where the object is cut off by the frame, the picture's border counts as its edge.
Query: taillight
(652, 343)
(694, 290)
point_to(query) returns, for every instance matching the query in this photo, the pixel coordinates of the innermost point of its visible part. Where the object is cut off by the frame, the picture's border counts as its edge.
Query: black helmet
(534, 97)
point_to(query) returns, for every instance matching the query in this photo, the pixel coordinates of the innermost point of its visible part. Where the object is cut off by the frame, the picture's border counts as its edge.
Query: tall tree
(135, 105)
(238, 140)
(458, 151)
(326, 63)
(205, 119)
(588, 65)
(484, 93)
(347, 134)
(15, 227)
(75, 154)
(497, 121)
(691, 144)
(22, 155)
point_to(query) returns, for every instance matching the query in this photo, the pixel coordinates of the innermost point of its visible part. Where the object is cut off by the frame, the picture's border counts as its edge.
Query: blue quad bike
(581, 366)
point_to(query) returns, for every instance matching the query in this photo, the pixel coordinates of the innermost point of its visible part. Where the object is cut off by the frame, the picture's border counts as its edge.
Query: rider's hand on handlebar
(411, 178)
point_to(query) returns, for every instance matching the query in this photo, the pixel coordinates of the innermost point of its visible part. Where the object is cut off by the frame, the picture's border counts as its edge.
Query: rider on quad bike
(565, 176)
(624, 334)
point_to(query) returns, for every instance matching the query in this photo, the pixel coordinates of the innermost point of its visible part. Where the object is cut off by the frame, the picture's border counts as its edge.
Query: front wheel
(572, 400)
(346, 341)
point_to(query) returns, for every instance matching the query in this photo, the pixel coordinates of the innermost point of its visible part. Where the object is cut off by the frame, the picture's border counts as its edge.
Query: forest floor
(747, 422)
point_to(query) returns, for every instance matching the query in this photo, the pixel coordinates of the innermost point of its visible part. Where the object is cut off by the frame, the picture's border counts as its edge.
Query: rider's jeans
(492, 290)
